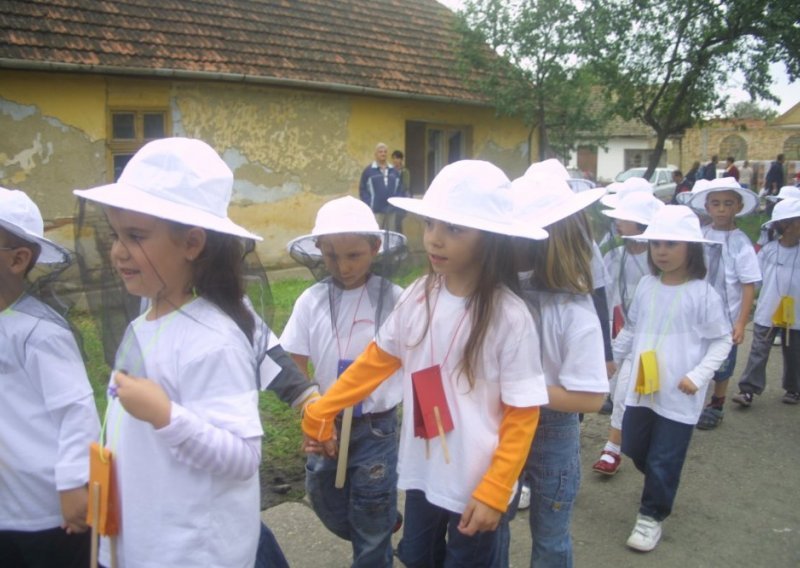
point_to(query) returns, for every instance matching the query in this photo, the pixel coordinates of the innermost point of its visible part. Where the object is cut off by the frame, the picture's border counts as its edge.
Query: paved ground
(738, 504)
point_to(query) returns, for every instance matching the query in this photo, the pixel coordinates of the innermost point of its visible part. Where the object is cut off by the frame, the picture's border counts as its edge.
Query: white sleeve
(295, 337)
(203, 446)
(717, 353)
(748, 270)
(78, 426)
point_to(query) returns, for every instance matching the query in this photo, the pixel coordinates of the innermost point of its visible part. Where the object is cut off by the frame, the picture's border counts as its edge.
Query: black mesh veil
(391, 260)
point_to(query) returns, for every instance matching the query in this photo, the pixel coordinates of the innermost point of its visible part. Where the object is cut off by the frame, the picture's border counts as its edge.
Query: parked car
(664, 187)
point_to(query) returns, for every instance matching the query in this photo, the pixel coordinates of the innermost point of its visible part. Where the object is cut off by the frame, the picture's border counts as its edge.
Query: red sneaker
(605, 467)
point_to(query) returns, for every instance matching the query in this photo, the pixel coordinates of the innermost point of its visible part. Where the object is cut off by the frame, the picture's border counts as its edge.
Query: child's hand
(738, 333)
(143, 399)
(74, 503)
(686, 386)
(478, 517)
(329, 448)
(611, 368)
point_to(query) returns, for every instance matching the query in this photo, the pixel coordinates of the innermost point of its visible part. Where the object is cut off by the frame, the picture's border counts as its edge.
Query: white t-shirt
(172, 513)
(781, 268)
(571, 340)
(47, 416)
(680, 323)
(509, 372)
(309, 332)
(740, 266)
(624, 277)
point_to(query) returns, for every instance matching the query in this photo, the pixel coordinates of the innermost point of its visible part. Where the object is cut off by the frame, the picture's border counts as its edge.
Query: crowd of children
(494, 355)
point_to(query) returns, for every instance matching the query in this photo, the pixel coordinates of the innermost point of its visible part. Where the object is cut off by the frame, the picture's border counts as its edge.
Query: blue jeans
(269, 553)
(657, 446)
(431, 538)
(725, 372)
(553, 471)
(364, 511)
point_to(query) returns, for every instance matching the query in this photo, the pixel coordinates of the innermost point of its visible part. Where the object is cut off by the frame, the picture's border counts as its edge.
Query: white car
(664, 187)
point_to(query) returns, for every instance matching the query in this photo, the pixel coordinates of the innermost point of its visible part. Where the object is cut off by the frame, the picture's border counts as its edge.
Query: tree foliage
(667, 62)
(527, 58)
(750, 109)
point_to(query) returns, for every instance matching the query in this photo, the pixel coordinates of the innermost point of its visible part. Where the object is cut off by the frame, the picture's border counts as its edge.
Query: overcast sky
(789, 93)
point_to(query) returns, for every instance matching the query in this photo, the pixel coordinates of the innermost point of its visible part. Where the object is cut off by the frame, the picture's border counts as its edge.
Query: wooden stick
(440, 427)
(95, 505)
(344, 443)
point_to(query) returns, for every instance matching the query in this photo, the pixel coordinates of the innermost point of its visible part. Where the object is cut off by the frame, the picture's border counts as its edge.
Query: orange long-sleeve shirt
(372, 367)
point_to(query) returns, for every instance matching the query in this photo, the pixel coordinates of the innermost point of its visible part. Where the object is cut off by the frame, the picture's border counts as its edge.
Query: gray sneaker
(744, 399)
(646, 534)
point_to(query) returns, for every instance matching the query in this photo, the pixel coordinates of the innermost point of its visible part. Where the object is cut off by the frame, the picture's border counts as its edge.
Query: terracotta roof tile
(387, 45)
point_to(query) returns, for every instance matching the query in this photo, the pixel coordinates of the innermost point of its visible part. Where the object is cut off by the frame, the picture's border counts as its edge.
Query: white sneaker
(524, 497)
(646, 534)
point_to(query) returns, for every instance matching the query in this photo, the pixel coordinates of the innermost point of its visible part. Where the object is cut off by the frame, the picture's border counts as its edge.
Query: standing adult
(710, 171)
(691, 175)
(405, 174)
(773, 181)
(730, 169)
(379, 182)
(746, 175)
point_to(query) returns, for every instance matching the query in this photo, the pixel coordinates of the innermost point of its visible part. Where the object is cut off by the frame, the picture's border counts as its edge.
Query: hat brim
(749, 199)
(577, 202)
(424, 209)
(670, 237)
(307, 244)
(51, 253)
(625, 215)
(131, 198)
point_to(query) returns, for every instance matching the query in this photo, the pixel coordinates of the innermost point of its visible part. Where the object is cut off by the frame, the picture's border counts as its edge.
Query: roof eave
(27, 65)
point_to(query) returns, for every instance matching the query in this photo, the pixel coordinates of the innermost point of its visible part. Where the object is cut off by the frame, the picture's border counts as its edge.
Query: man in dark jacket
(379, 182)
(773, 181)
(710, 171)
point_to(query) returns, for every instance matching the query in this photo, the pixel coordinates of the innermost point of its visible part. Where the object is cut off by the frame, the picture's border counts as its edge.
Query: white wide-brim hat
(345, 215)
(786, 192)
(673, 223)
(175, 179)
(471, 193)
(784, 209)
(20, 216)
(552, 168)
(639, 207)
(544, 199)
(701, 191)
(618, 190)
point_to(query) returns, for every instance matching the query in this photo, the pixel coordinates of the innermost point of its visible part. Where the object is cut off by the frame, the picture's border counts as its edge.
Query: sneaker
(744, 399)
(791, 397)
(608, 464)
(524, 497)
(608, 407)
(646, 534)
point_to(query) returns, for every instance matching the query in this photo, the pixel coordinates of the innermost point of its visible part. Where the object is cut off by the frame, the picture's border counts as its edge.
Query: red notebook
(429, 393)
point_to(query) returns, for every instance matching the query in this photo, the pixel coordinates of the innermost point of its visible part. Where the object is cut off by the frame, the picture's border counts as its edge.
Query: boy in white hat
(677, 334)
(777, 307)
(331, 323)
(47, 412)
(626, 264)
(732, 269)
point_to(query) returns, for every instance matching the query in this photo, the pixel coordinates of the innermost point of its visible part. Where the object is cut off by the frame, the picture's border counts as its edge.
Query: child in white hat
(777, 307)
(331, 324)
(182, 420)
(732, 269)
(626, 264)
(47, 412)
(557, 290)
(472, 376)
(677, 334)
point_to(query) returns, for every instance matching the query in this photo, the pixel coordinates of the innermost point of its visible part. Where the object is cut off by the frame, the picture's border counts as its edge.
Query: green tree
(526, 57)
(667, 62)
(750, 109)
